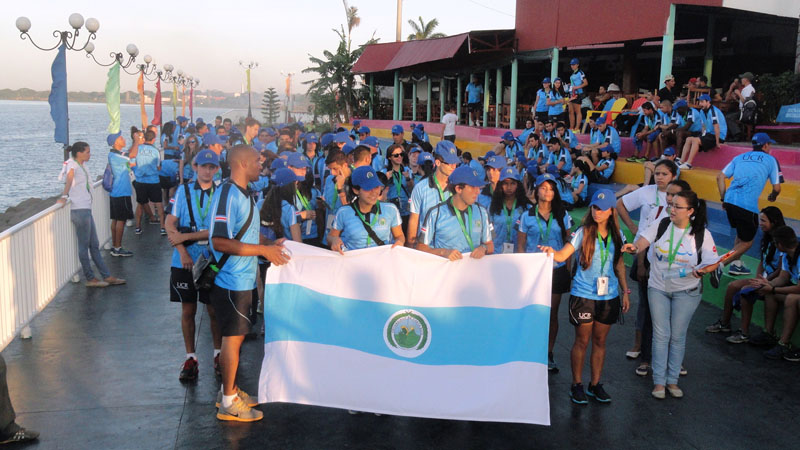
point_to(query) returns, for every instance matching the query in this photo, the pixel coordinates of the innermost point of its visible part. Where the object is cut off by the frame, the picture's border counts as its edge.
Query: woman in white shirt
(681, 251)
(78, 189)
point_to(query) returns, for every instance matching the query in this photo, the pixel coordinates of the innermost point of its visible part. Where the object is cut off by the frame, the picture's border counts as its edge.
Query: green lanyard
(86, 175)
(335, 197)
(203, 211)
(398, 183)
(658, 200)
(373, 221)
(467, 230)
(303, 201)
(603, 253)
(509, 217)
(543, 236)
(439, 187)
(672, 254)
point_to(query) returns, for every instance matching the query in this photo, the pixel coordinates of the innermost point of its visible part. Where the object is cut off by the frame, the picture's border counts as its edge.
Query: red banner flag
(157, 105)
(191, 103)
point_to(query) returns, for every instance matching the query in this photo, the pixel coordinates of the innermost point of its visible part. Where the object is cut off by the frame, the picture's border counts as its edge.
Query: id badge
(329, 222)
(602, 285)
(508, 247)
(308, 227)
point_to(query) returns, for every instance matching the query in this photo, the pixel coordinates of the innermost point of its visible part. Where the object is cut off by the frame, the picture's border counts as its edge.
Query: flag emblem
(407, 333)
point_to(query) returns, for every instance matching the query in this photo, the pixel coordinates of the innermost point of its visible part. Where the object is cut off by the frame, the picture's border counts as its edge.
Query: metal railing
(37, 258)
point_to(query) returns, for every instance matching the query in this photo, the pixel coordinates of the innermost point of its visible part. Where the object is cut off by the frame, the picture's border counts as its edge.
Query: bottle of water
(675, 273)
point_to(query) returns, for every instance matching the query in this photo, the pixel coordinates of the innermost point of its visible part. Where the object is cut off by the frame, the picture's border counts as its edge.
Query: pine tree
(270, 106)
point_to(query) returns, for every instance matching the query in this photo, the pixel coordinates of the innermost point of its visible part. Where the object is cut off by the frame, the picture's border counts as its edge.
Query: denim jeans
(88, 243)
(671, 313)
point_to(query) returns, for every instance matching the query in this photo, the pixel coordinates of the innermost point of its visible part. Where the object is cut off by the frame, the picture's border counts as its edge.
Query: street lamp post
(69, 40)
(116, 57)
(248, 67)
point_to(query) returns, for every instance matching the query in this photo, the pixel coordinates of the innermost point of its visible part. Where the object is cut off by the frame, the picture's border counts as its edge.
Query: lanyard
(509, 216)
(335, 197)
(203, 211)
(603, 253)
(303, 201)
(672, 254)
(467, 230)
(543, 236)
(439, 187)
(373, 221)
(398, 183)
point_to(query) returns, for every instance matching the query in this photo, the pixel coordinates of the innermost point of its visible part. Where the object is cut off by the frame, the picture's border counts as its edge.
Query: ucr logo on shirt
(407, 333)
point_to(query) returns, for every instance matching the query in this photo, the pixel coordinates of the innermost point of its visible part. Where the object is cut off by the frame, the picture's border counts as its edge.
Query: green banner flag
(112, 99)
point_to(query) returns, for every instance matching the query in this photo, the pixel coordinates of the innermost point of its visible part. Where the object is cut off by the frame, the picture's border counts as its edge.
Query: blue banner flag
(58, 96)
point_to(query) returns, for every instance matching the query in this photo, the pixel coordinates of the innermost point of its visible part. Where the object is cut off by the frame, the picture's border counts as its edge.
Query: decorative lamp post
(131, 49)
(248, 67)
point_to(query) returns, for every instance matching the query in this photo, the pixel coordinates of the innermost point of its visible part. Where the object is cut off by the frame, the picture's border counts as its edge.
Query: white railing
(38, 257)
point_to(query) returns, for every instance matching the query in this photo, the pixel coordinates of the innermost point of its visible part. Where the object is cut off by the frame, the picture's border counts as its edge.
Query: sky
(207, 40)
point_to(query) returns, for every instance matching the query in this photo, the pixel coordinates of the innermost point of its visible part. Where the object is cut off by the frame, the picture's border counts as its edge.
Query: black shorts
(121, 208)
(745, 222)
(181, 287)
(559, 118)
(578, 99)
(167, 182)
(584, 310)
(561, 280)
(451, 138)
(541, 116)
(474, 107)
(708, 142)
(234, 310)
(147, 192)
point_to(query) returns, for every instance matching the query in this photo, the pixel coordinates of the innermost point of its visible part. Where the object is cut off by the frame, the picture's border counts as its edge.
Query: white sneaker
(686, 166)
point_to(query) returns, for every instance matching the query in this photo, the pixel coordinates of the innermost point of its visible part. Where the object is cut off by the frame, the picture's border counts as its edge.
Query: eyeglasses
(674, 206)
(396, 155)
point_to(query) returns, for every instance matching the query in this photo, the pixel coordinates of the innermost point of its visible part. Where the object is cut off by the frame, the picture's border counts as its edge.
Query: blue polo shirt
(794, 272)
(542, 155)
(750, 171)
(201, 210)
(505, 227)
(584, 284)
(564, 155)
(397, 191)
(312, 202)
(577, 180)
(378, 163)
(576, 79)
(714, 116)
(611, 136)
(557, 109)
(541, 106)
(608, 171)
(474, 92)
(771, 265)
(442, 229)
(524, 136)
(697, 120)
(536, 228)
(120, 168)
(383, 217)
(289, 215)
(169, 169)
(564, 190)
(425, 196)
(147, 161)
(570, 139)
(231, 206)
(485, 197)
(676, 118)
(511, 150)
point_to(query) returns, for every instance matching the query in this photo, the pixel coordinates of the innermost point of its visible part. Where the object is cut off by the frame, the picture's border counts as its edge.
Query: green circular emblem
(407, 333)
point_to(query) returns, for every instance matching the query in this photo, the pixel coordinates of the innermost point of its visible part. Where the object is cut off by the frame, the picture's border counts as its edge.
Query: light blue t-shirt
(397, 191)
(608, 171)
(584, 284)
(378, 163)
(169, 169)
(794, 272)
(382, 219)
(611, 136)
(474, 92)
(147, 162)
(543, 232)
(564, 155)
(770, 266)
(289, 216)
(120, 167)
(443, 230)
(425, 196)
(576, 79)
(511, 150)
(750, 171)
(505, 227)
(541, 106)
(231, 206)
(556, 109)
(577, 180)
(523, 137)
(201, 210)
(714, 116)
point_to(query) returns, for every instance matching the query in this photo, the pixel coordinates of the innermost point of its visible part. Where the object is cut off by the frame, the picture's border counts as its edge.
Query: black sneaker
(763, 340)
(578, 395)
(792, 355)
(551, 364)
(189, 370)
(779, 351)
(716, 276)
(598, 393)
(217, 370)
(21, 435)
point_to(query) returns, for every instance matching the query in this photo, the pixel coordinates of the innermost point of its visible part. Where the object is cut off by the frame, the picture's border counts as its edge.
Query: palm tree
(424, 30)
(351, 13)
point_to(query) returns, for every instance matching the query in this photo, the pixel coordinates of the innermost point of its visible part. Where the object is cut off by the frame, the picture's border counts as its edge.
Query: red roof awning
(376, 57)
(395, 55)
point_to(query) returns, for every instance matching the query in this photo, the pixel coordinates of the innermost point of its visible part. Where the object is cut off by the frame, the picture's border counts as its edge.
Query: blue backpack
(108, 178)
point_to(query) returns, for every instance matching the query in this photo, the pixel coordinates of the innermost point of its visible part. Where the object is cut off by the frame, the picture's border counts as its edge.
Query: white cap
(613, 88)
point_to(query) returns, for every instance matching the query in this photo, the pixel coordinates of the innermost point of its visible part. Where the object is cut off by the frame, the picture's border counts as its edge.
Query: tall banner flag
(174, 101)
(183, 101)
(112, 98)
(191, 103)
(58, 97)
(140, 88)
(464, 340)
(157, 105)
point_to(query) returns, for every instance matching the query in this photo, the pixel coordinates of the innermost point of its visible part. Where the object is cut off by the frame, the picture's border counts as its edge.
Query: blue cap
(546, 80)
(349, 147)
(520, 155)
(607, 148)
(574, 61)
(466, 175)
(356, 123)
(206, 157)
(412, 125)
(279, 163)
(509, 172)
(113, 138)
(488, 155)
(762, 138)
(669, 151)
(532, 167)
(298, 161)
(370, 141)
(420, 126)
(199, 120)
(447, 150)
(508, 136)
(364, 130)
(680, 103)
(210, 139)
(425, 156)
(365, 178)
(705, 97)
(544, 177)
(552, 169)
(326, 140)
(311, 138)
(496, 162)
(603, 199)
(300, 124)
(397, 129)
(415, 148)
(418, 133)
(285, 154)
(341, 136)
(600, 120)
(556, 79)
(283, 177)
(181, 119)
(258, 145)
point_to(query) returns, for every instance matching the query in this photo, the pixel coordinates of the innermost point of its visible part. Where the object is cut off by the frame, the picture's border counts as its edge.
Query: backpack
(749, 112)
(698, 240)
(108, 178)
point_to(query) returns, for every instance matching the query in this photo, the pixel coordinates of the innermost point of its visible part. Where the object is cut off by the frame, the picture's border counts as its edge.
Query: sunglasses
(193, 142)
(396, 155)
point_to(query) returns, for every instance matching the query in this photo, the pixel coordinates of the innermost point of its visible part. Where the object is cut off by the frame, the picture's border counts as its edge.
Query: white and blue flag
(397, 331)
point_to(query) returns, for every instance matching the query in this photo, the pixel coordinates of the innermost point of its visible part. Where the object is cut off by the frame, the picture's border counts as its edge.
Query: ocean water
(30, 160)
